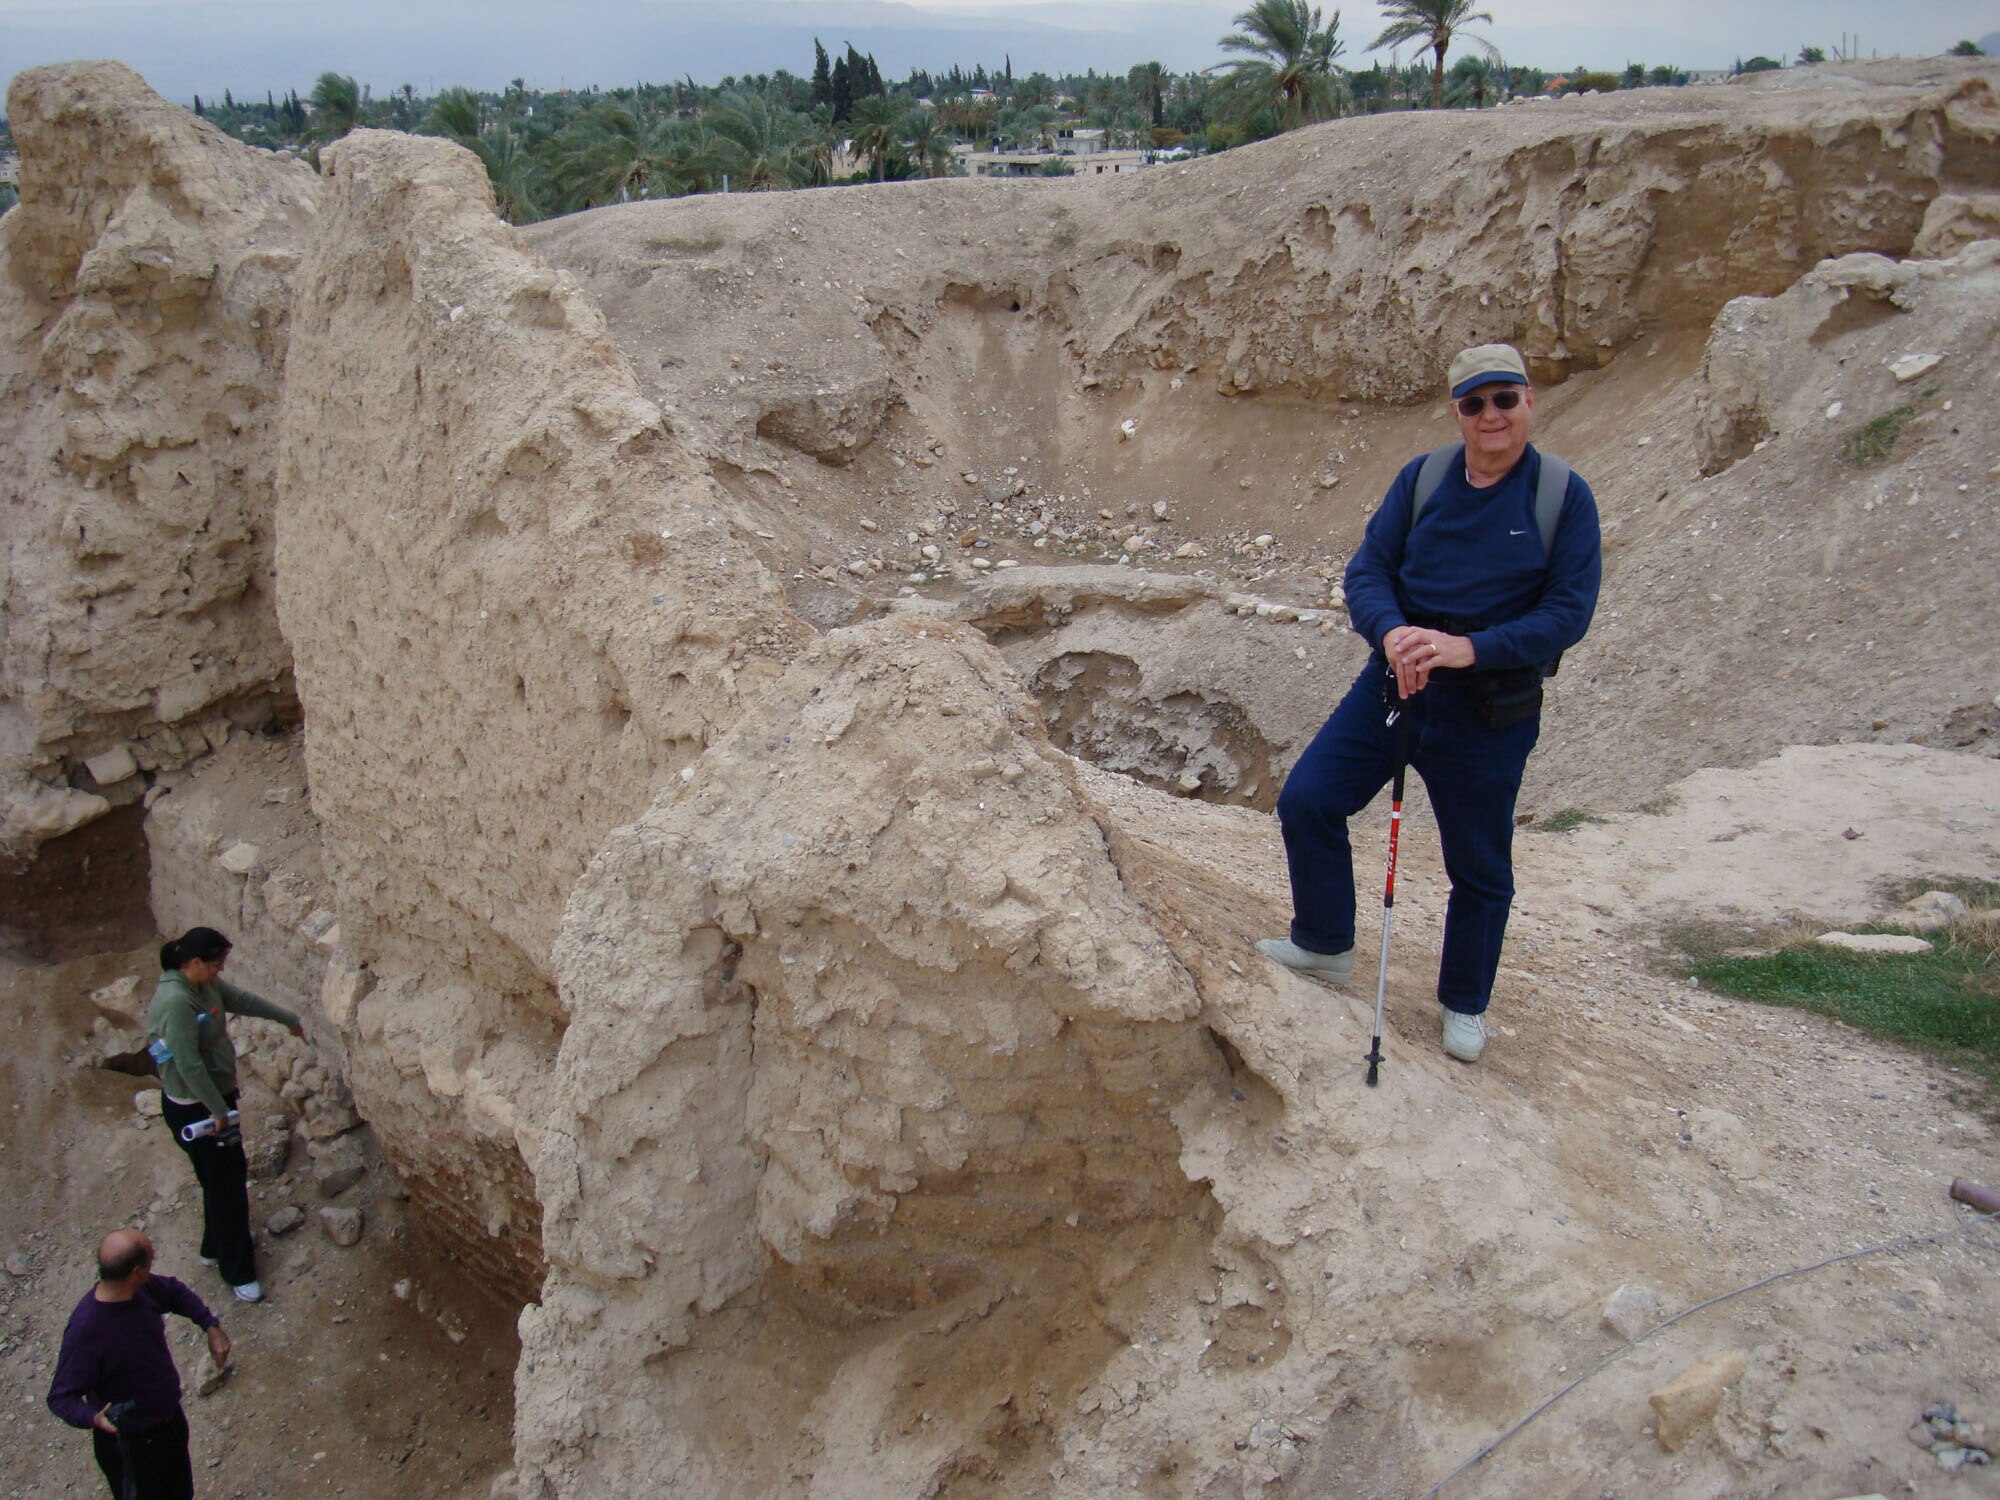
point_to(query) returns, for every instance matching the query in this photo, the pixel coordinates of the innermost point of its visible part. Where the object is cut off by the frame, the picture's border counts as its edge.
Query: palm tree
(1041, 119)
(1474, 78)
(1149, 82)
(928, 142)
(696, 159)
(876, 125)
(336, 105)
(515, 174)
(457, 113)
(610, 156)
(762, 145)
(1287, 65)
(819, 144)
(1437, 23)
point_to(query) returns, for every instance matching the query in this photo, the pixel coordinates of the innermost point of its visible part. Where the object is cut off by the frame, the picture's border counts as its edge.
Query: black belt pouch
(1505, 697)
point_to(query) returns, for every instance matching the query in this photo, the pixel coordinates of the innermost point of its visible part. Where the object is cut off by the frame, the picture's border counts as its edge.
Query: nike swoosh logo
(1517, 533)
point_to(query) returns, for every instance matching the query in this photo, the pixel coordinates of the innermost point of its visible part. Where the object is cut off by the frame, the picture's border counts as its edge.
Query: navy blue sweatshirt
(117, 1351)
(1476, 558)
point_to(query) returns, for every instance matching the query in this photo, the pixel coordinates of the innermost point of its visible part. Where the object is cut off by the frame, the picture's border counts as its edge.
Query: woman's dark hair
(204, 943)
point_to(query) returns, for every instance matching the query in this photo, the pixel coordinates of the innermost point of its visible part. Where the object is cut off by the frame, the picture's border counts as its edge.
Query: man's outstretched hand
(218, 1345)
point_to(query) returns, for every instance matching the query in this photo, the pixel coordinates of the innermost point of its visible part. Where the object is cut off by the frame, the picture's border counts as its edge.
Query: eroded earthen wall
(143, 306)
(868, 994)
(516, 610)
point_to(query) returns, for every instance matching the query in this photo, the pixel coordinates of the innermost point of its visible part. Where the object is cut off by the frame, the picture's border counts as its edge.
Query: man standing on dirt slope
(1474, 577)
(116, 1376)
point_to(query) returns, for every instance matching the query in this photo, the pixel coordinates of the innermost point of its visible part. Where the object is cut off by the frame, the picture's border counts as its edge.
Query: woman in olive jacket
(190, 1045)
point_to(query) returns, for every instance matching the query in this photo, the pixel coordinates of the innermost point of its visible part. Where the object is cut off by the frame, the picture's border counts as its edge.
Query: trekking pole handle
(200, 1128)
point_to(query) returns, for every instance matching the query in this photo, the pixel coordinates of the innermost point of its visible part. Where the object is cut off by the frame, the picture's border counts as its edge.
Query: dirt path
(1440, 1250)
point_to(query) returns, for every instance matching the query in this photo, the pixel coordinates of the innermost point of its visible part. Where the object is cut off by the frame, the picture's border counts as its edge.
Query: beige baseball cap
(1486, 364)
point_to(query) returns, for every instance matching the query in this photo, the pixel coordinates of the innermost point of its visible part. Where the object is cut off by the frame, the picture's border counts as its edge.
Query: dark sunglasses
(1472, 406)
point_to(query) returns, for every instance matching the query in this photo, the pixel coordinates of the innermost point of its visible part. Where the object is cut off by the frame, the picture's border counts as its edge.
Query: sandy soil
(1625, 1126)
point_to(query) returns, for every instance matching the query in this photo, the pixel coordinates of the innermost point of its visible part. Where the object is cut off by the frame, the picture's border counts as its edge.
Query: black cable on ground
(1617, 1354)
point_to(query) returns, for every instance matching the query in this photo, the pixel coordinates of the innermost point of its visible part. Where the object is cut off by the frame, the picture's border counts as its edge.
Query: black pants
(224, 1174)
(160, 1469)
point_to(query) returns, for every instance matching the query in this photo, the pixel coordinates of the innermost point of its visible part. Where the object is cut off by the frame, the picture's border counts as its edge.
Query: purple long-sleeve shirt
(117, 1351)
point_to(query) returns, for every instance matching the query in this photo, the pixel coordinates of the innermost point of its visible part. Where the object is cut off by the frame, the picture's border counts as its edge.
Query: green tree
(822, 79)
(1634, 76)
(1286, 66)
(336, 106)
(840, 89)
(877, 127)
(1437, 23)
(1473, 80)
(1042, 121)
(1669, 75)
(1968, 48)
(695, 158)
(1149, 85)
(1055, 166)
(609, 156)
(1759, 65)
(457, 113)
(513, 171)
(762, 144)
(1370, 88)
(928, 142)
(1810, 55)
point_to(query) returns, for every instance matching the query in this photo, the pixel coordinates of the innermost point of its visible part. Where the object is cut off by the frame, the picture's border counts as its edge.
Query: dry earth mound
(1209, 367)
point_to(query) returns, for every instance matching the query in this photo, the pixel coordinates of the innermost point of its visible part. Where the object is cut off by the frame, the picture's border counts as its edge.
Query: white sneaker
(249, 1291)
(1464, 1036)
(1334, 968)
(208, 1260)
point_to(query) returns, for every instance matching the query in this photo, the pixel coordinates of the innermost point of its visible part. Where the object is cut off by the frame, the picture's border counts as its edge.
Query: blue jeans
(1473, 775)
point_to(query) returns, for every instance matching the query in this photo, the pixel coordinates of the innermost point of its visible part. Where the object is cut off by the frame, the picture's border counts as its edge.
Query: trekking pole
(1396, 717)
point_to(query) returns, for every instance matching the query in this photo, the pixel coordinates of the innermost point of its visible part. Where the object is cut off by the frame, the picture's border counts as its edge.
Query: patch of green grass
(1876, 441)
(1980, 895)
(1945, 1002)
(1568, 818)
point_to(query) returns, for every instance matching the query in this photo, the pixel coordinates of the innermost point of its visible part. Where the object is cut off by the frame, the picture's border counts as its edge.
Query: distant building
(1097, 163)
(1079, 142)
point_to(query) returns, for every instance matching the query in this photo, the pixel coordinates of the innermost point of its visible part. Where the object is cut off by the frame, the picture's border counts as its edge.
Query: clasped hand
(1413, 651)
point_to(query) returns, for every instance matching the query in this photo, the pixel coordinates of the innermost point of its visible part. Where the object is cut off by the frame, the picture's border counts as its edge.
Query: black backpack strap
(1437, 464)
(1550, 493)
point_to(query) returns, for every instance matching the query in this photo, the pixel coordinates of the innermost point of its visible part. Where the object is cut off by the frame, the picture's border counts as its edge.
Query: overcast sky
(185, 47)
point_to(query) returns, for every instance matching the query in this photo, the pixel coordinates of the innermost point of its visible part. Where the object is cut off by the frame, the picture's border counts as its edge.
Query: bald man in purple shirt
(116, 1375)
